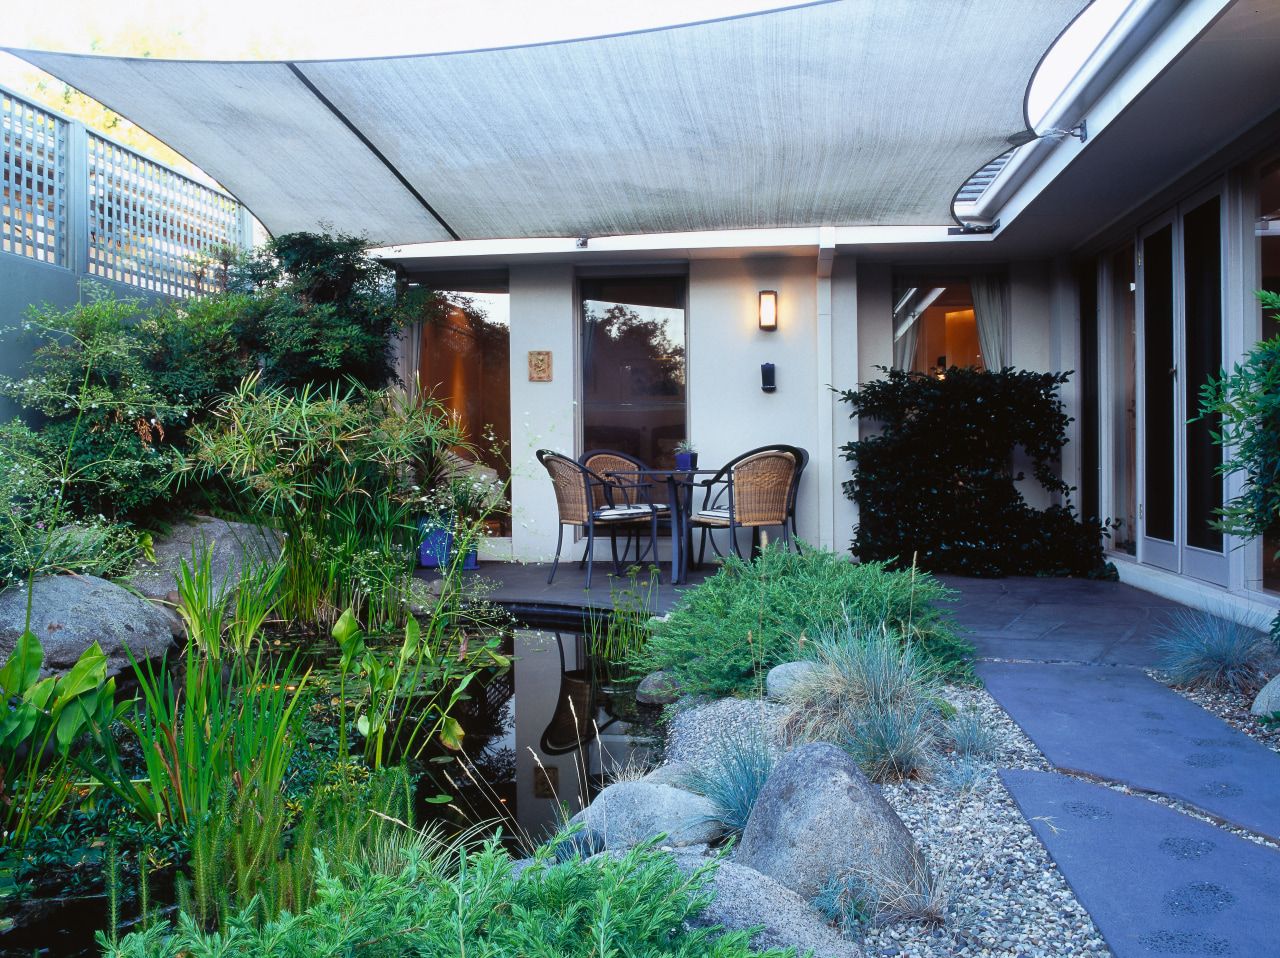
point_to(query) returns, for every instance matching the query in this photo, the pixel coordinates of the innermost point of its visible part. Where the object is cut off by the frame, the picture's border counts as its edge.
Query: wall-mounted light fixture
(768, 377)
(769, 309)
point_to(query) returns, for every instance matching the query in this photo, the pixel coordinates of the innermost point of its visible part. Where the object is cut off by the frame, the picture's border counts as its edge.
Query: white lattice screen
(33, 213)
(148, 224)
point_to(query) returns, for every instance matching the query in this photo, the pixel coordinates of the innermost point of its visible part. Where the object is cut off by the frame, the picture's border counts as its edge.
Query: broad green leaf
(362, 725)
(451, 734)
(439, 799)
(23, 667)
(500, 660)
(350, 639)
(89, 672)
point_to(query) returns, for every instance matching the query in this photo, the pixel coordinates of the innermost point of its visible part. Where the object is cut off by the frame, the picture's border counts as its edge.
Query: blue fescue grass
(733, 778)
(1202, 650)
(973, 738)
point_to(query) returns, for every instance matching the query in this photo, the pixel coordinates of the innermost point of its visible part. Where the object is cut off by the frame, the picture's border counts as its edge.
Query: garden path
(1064, 658)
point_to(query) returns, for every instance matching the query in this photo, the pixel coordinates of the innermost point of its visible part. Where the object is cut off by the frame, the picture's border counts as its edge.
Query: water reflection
(553, 745)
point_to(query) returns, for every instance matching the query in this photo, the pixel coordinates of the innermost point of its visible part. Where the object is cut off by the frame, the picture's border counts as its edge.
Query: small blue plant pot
(436, 542)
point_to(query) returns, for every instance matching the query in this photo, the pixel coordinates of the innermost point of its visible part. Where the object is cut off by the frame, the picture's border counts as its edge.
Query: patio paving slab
(1155, 881)
(1119, 724)
(1059, 620)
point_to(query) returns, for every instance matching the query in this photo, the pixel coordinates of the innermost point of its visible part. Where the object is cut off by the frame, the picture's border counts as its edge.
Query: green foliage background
(936, 485)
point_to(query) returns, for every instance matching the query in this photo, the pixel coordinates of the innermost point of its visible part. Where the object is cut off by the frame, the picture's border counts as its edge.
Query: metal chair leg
(653, 544)
(559, 543)
(590, 554)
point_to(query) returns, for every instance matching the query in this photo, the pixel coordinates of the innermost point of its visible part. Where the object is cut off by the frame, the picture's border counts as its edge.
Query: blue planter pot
(437, 546)
(686, 460)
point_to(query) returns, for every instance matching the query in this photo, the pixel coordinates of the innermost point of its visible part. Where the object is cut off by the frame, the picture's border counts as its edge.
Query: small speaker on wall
(767, 381)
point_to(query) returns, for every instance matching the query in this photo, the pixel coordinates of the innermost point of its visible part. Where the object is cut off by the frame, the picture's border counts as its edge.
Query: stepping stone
(1122, 725)
(1155, 881)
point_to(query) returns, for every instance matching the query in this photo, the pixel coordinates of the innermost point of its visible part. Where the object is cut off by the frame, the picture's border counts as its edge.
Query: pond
(529, 760)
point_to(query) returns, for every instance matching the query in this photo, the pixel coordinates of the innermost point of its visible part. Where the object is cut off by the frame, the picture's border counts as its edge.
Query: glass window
(633, 366)
(1268, 233)
(1123, 406)
(944, 321)
(465, 364)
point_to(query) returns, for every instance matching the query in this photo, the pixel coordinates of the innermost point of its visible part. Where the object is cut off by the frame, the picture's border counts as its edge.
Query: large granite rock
(70, 613)
(629, 813)
(783, 678)
(744, 898)
(1267, 701)
(231, 542)
(819, 817)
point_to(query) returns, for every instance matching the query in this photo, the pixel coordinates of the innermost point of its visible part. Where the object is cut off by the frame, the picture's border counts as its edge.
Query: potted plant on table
(686, 455)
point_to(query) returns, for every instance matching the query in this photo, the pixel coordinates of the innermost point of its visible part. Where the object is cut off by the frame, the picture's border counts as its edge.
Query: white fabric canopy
(848, 112)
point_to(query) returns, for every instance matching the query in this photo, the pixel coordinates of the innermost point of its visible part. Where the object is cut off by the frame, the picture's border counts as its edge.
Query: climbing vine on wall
(936, 485)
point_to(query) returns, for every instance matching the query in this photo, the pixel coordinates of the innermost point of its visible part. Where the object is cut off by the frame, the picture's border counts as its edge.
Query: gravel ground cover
(1231, 707)
(1010, 899)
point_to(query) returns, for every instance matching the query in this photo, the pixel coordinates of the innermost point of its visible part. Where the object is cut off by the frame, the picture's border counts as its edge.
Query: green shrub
(936, 486)
(750, 616)
(872, 694)
(732, 779)
(635, 904)
(973, 737)
(1201, 650)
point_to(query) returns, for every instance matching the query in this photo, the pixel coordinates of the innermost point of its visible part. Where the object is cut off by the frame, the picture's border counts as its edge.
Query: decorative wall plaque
(539, 365)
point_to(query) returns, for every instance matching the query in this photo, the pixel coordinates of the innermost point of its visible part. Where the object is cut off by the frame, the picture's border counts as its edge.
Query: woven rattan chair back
(570, 484)
(604, 461)
(762, 489)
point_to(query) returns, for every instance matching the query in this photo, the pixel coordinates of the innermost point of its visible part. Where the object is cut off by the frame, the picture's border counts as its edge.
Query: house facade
(1120, 236)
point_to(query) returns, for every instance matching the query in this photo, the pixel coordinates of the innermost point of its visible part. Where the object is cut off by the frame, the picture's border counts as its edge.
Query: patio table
(680, 484)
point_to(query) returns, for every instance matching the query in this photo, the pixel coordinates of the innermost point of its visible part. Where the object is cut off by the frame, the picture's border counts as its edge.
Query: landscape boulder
(673, 773)
(783, 678)
(628, 813)
(69, 613)
(1267, 701)
(819, 817)
(744, 898)
(232, 541)
(658, 688)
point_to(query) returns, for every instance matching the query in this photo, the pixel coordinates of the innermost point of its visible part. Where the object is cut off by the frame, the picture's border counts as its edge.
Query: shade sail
(844, 113)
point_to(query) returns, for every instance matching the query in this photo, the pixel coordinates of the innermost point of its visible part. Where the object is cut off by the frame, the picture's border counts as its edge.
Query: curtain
(991, 313)
(408, 355)
(904, 347)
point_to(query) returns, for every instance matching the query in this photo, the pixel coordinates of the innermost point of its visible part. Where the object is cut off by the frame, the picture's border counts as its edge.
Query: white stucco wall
(728, 411)
(542, 414)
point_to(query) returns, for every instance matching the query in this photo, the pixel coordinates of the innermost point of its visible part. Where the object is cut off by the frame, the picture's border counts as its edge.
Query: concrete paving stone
(1122, 725)
(1156, 881)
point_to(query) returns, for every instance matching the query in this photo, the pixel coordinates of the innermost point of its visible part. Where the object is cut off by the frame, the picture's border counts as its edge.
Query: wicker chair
(751, 491)
(576, 490)
(605, 462)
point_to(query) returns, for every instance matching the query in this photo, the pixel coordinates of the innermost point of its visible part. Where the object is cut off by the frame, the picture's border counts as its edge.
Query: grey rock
(70, 613)
(628, 813)
(818, 817)
(231, 542)
(783, 678)
(697, 735)
(744, 898)
(519, 866)
(670, 774)
(1268, 700)
(659, 688)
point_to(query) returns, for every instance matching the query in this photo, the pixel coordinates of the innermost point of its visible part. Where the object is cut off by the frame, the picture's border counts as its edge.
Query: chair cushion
(717, 517)
(615, 513)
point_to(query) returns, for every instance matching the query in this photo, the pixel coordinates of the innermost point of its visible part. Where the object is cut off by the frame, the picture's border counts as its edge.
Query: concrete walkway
(1064, 658)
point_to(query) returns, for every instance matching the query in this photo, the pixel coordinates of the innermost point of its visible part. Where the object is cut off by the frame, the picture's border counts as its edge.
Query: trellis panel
(33, 181)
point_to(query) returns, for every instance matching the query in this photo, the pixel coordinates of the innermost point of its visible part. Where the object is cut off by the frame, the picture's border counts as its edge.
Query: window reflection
(944, 321)
(633, 366)
(1268, 232)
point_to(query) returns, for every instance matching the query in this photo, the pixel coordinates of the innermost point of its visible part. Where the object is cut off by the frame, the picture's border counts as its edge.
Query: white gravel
(1010, 899)
(1231, 707)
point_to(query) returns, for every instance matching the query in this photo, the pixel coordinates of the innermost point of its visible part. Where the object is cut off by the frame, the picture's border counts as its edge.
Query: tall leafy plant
(936, 486)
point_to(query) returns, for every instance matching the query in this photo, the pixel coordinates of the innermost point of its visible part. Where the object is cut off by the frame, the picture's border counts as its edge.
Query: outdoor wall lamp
(769, 310)
(768, 378)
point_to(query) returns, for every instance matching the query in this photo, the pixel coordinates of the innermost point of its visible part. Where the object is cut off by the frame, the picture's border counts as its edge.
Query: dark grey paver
(1155, 881)
(1059, 620)
(1120, 724)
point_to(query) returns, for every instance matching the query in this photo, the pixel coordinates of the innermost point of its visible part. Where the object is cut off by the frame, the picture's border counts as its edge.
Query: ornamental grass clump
(1201, 650)
(733, 778)
(972, 737)
(874, 695)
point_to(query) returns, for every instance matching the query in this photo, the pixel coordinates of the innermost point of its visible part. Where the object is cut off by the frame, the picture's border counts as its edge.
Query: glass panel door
(1159, 369)
(633, 366)
(1181, 310)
